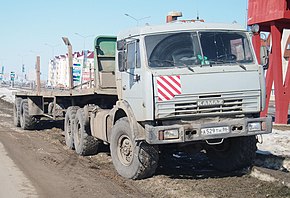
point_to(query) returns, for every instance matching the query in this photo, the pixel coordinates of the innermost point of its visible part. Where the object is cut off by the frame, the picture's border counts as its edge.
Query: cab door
(131, 78)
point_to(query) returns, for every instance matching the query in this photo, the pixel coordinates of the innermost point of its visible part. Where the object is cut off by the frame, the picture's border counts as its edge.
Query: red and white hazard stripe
(168, 87)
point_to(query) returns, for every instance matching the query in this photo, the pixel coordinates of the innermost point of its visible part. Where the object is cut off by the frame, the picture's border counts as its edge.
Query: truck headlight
(168, 134)
(254, 126)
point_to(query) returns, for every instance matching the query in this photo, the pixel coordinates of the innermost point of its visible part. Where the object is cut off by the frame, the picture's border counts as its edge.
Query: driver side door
(131, 78)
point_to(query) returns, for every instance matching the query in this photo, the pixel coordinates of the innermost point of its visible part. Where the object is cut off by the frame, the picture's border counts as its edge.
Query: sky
(35, 27)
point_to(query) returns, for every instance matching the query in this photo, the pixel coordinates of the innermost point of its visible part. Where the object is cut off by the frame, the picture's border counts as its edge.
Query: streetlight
(137, 20)
(52, 47)
(84, 37)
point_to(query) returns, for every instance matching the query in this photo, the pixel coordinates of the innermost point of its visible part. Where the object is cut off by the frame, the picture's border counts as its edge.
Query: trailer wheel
(16, 112)
(27, 122)
(132, 160)
(85, 144)
(233, 154)
(68, 125)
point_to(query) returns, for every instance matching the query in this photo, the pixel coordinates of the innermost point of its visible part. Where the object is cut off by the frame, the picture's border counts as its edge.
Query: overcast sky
(35, 27)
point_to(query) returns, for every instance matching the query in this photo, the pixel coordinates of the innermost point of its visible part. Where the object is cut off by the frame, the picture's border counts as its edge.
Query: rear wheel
(69, 124)
(133, 160)
(84, 143)
(233, 154)
(16, 112)
(27, 122)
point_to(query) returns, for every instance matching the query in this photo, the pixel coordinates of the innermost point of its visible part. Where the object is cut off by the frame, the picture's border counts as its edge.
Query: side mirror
(264, 54)
(266, 65)
(121, 45)
(121, 62)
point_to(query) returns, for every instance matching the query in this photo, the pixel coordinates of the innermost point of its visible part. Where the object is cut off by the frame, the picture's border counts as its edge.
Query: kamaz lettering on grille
(207, 103)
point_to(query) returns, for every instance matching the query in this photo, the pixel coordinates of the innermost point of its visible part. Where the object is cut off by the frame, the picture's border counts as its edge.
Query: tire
(233, 154)
(132, 160)
(16, 112)
(84, 143)
(68, 126)
(27, 122)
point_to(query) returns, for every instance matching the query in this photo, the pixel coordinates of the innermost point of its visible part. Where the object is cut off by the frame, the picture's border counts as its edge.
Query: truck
(184, 84)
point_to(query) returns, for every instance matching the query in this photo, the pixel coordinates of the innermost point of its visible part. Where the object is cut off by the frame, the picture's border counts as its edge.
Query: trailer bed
(66, 92)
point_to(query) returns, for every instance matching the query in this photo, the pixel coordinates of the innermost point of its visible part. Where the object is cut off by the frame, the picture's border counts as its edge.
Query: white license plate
(214, 130)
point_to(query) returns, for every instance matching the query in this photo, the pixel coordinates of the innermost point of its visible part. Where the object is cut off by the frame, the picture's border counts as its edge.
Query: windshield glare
(196, 49)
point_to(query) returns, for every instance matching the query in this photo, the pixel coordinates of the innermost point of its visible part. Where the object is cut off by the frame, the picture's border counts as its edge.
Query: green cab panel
(104, 60)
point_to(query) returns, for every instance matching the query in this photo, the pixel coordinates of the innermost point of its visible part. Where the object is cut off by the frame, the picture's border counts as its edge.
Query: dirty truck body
(156, 88)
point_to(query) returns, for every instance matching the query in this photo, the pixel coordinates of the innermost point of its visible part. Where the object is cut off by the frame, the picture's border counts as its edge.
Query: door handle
(137, 78)
(124, 87)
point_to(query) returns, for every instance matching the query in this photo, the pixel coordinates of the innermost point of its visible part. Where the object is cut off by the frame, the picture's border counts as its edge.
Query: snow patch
(276, 143)
(6, 94)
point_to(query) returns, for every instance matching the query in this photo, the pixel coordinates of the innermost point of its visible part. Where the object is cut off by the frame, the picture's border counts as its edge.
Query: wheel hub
(125, 151)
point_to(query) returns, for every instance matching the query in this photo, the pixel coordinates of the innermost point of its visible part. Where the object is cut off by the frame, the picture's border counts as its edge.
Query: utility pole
(70, 61)
(37, 68)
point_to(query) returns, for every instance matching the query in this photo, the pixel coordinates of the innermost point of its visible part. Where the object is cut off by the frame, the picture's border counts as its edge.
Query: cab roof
(176, 27)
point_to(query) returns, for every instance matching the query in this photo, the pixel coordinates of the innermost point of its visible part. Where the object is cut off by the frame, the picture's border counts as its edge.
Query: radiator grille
(187, 105)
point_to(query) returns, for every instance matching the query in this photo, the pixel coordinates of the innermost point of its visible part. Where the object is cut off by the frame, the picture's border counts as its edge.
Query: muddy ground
(56, 171)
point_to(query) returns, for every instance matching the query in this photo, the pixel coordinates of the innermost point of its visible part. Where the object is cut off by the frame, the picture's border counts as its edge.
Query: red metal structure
(273, 16)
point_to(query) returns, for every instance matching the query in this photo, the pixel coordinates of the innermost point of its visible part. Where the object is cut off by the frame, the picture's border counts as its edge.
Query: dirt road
(55, 171)
(13, 182)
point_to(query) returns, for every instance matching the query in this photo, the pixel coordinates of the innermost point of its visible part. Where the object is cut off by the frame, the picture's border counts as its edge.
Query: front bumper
(189, 132)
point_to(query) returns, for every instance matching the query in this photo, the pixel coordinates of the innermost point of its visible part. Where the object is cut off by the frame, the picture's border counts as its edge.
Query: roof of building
(76, 55)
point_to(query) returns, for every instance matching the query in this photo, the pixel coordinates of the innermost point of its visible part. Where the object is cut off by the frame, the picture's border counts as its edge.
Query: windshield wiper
(240, 65)
(184, 65)
(160, 63)
(189, 68)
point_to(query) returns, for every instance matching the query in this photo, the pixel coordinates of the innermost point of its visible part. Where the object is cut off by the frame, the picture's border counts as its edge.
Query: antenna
(197, 10)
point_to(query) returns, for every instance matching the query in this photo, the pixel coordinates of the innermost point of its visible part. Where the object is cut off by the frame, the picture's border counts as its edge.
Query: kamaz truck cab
(186, 84)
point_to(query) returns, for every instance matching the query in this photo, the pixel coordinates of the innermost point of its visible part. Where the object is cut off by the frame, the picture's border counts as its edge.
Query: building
(58, 70)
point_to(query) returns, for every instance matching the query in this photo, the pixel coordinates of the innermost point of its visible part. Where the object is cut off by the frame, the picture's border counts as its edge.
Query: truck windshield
(225, 47)
(189, 49)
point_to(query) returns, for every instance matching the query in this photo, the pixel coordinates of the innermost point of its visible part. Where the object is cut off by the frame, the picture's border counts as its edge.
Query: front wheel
(233, 153)
(132, 160)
